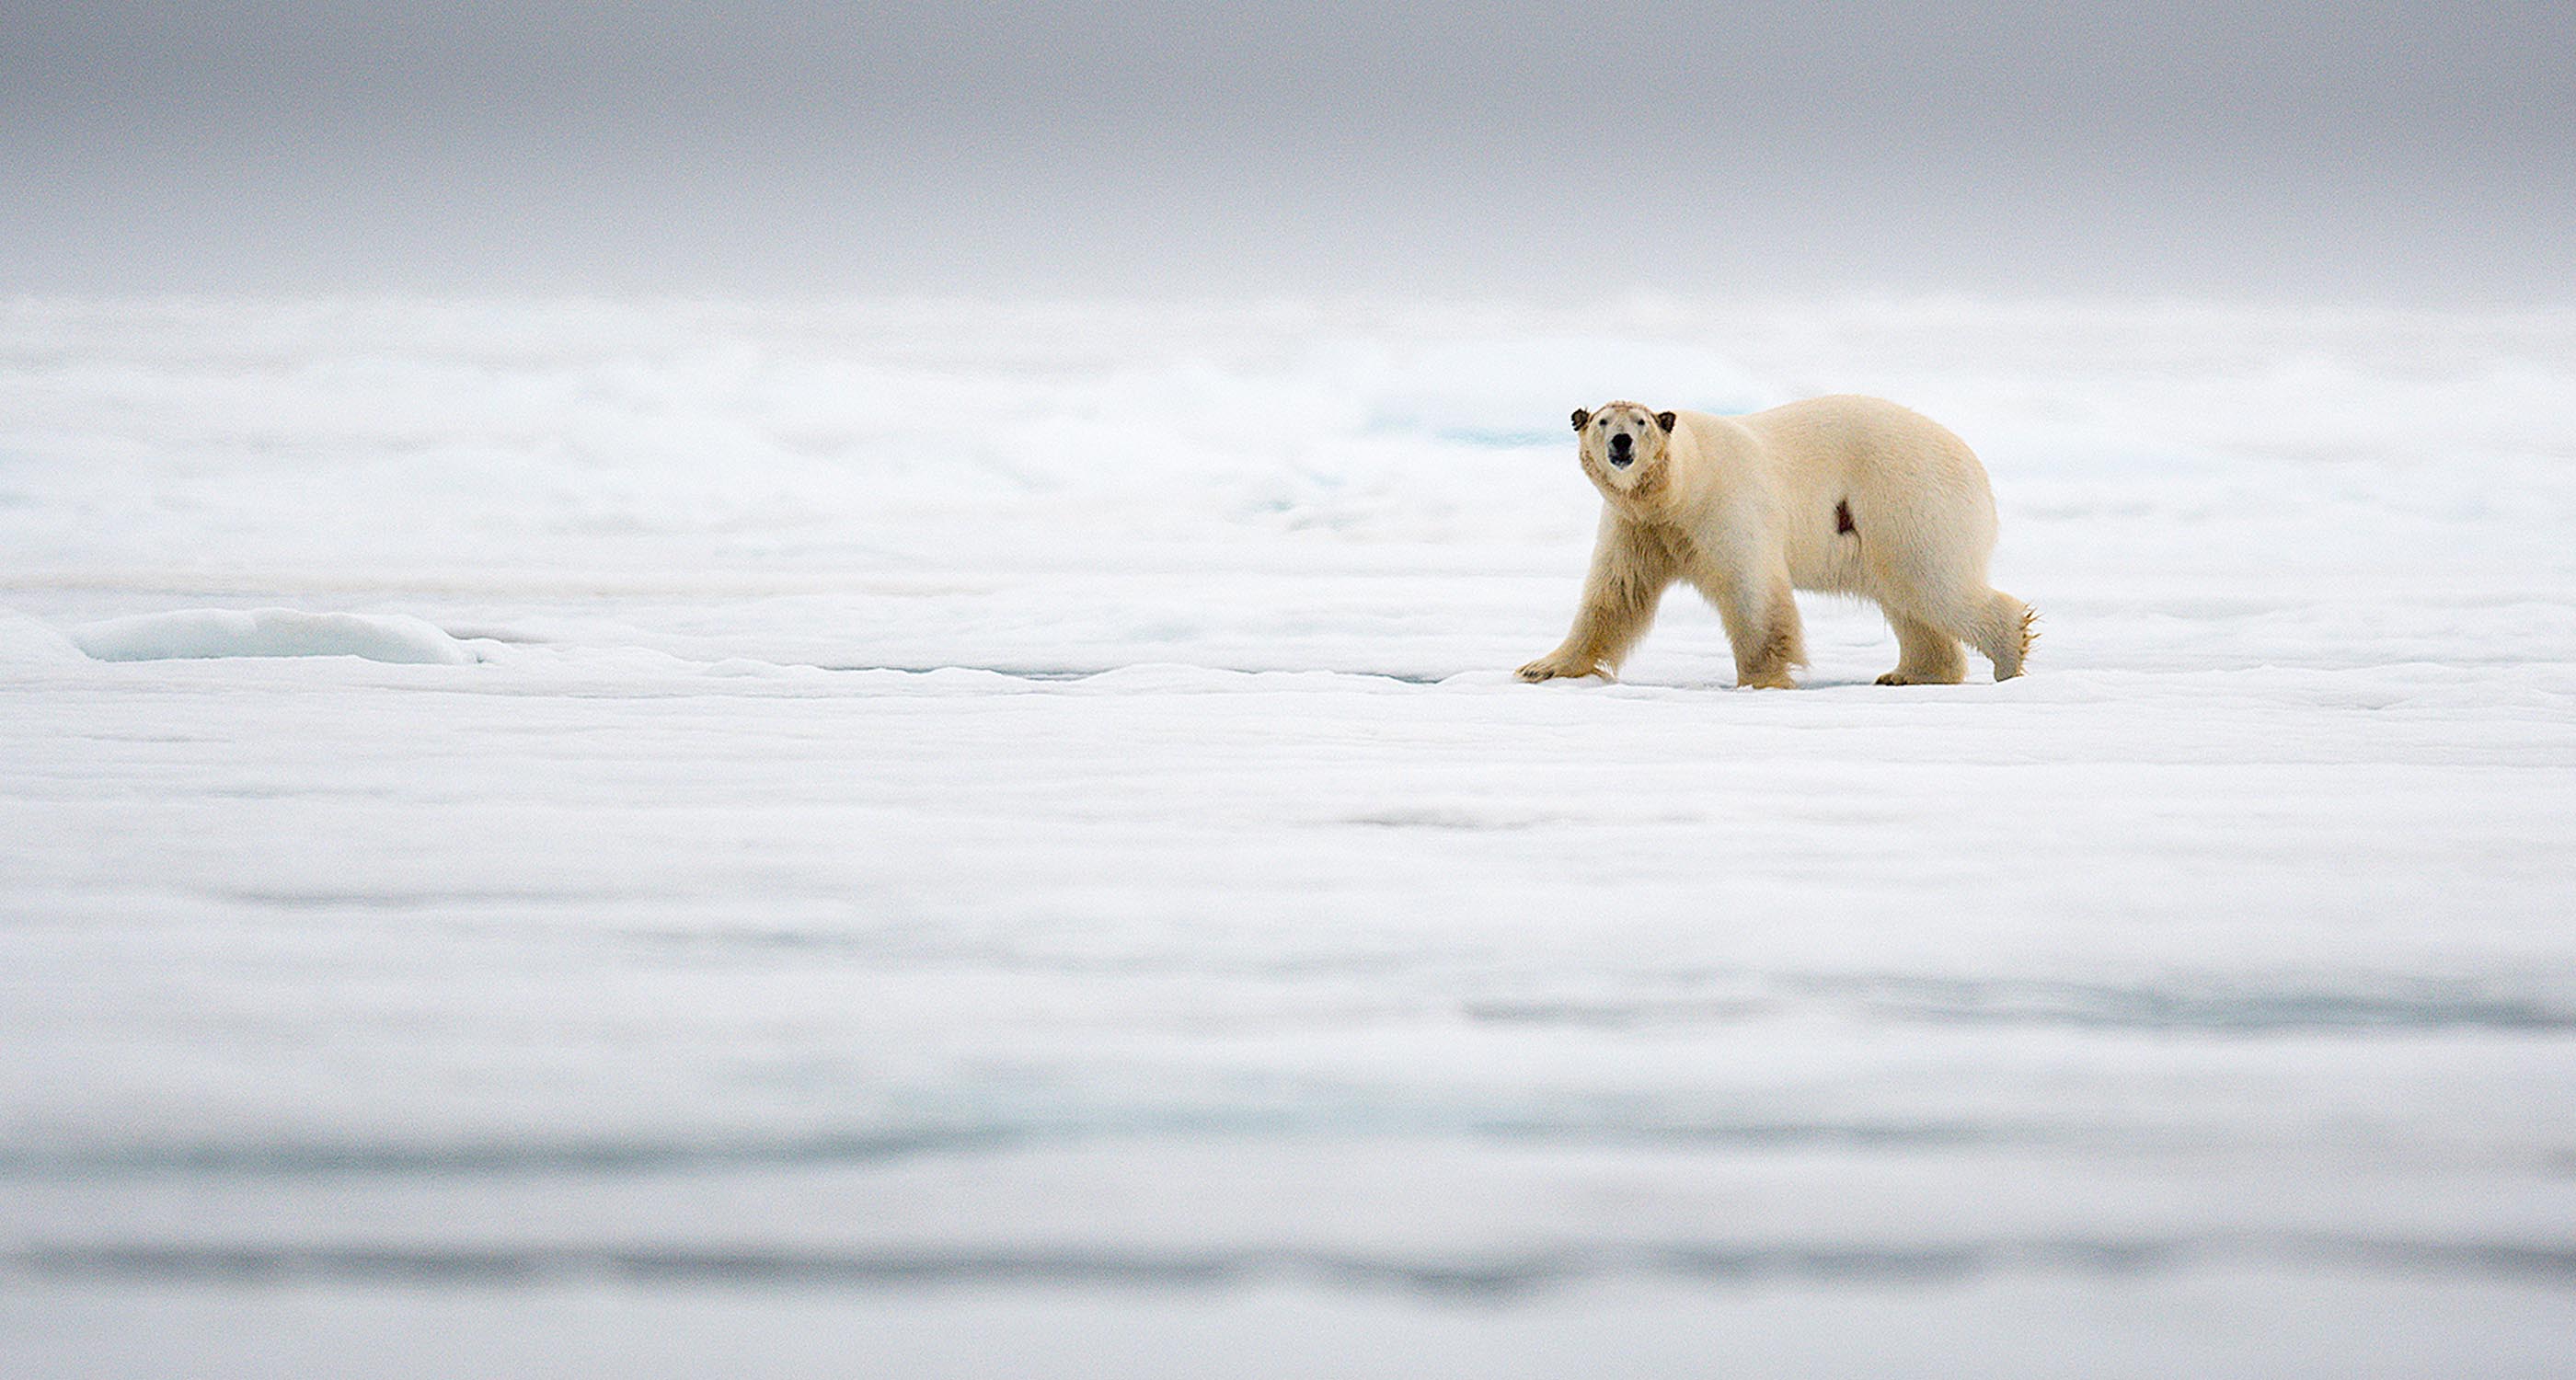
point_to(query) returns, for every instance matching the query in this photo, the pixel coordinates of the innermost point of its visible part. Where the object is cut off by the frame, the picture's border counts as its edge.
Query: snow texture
(269, 632)
(941, 838)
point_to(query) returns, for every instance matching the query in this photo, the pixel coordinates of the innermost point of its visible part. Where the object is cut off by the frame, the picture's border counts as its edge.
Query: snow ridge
(207, 633)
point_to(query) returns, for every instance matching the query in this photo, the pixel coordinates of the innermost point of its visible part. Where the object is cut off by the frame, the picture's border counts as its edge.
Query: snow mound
(270, 632)
(26, 641)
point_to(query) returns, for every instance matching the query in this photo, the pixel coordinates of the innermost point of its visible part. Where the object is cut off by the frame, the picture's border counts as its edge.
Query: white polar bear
(1845, 495)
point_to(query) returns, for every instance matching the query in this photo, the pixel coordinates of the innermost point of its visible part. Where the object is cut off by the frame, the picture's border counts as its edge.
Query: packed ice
(936, 837)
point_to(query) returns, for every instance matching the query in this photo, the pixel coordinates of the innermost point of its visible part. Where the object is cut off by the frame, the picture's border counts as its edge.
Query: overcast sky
(2280, 150)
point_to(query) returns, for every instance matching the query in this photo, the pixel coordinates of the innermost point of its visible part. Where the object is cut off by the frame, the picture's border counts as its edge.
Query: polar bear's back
(1877, 456)
(1914, 494)
(1866, 442)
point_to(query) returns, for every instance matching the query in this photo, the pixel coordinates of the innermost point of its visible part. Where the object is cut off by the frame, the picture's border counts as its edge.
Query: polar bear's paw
(1554, 667)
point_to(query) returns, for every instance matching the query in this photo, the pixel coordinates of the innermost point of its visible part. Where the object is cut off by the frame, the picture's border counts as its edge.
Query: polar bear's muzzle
(1623, 450)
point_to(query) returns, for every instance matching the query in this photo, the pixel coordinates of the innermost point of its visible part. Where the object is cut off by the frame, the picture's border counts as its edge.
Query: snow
(24, 639)
(971, 839)
(269, 632)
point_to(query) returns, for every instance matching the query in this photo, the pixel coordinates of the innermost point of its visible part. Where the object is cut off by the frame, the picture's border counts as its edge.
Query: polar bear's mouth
(1623, 459)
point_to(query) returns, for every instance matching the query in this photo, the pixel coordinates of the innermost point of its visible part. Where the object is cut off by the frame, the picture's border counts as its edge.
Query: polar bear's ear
(1581, 415)
(1666, 419)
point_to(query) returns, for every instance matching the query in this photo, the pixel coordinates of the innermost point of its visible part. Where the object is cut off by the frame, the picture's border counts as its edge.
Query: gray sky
(2282, 150)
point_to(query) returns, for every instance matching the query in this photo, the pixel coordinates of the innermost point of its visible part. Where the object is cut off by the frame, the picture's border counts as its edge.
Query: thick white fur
(1743, 509)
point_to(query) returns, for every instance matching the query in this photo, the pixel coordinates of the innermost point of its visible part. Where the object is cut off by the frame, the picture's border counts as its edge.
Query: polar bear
(1844, 495)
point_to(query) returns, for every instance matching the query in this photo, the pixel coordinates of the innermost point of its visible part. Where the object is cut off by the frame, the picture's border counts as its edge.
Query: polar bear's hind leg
(1925, 655)
(2003, 632)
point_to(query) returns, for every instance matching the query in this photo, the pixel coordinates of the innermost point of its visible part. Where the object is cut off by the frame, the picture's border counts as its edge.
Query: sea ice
(268, 632)
(1003, 841)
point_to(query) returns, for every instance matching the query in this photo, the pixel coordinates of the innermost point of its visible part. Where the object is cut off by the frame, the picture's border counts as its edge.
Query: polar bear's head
(1623, 446)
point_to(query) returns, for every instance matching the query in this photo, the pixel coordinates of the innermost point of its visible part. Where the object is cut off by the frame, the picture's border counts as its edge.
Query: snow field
(1005, 840)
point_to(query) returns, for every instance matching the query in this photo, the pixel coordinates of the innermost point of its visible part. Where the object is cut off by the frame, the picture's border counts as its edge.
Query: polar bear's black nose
(1620, 441)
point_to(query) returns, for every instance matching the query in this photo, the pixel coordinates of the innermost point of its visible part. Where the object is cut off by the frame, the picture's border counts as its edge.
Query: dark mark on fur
(1842, 517)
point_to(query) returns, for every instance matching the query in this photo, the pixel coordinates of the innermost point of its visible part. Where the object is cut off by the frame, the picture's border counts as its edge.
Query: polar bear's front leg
(1569, 660)
(1631, 568)
(1762, 625)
